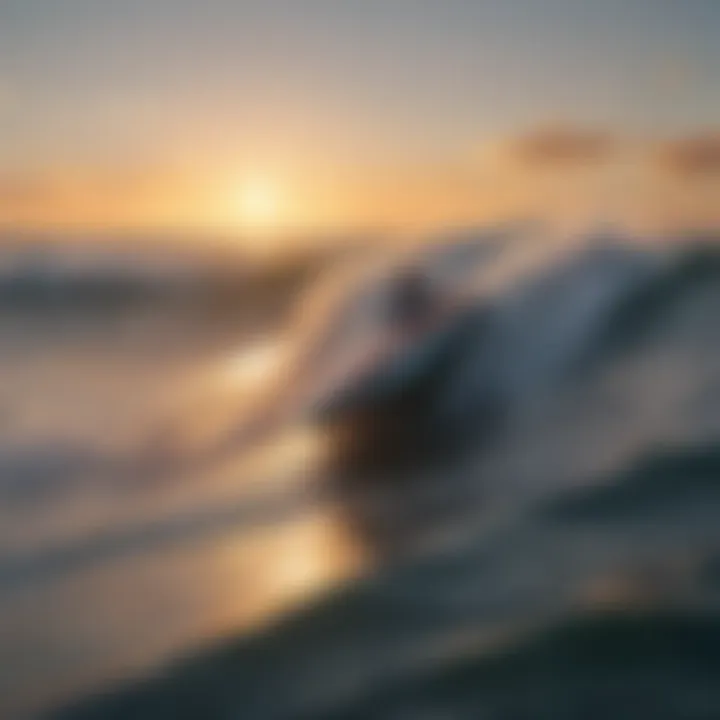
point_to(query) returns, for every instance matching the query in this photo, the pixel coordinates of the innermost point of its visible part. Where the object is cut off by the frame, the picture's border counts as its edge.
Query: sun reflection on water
(253, 364)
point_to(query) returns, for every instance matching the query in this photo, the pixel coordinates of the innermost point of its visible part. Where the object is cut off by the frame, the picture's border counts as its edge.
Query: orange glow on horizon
(261, 207)
(261, 204)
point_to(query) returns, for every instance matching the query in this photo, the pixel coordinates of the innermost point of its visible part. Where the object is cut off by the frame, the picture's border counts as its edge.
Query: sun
(260, 204)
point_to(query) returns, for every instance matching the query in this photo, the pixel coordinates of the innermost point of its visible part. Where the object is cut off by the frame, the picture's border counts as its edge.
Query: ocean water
(578, 576)
(108, 567)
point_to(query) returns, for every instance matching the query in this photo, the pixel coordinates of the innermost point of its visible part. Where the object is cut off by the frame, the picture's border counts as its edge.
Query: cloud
(563, 146)
(695, 156)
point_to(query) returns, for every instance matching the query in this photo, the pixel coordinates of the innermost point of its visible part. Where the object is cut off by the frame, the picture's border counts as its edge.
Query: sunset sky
(322, 114)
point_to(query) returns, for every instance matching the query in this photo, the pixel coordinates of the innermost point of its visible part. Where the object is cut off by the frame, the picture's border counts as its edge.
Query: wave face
(546, 487)
(560, 377)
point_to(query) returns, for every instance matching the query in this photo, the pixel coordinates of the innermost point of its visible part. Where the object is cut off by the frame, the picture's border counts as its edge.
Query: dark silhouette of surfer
(371, 366)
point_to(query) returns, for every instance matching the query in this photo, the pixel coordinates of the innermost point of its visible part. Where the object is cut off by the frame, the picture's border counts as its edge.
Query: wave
(564, 444)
